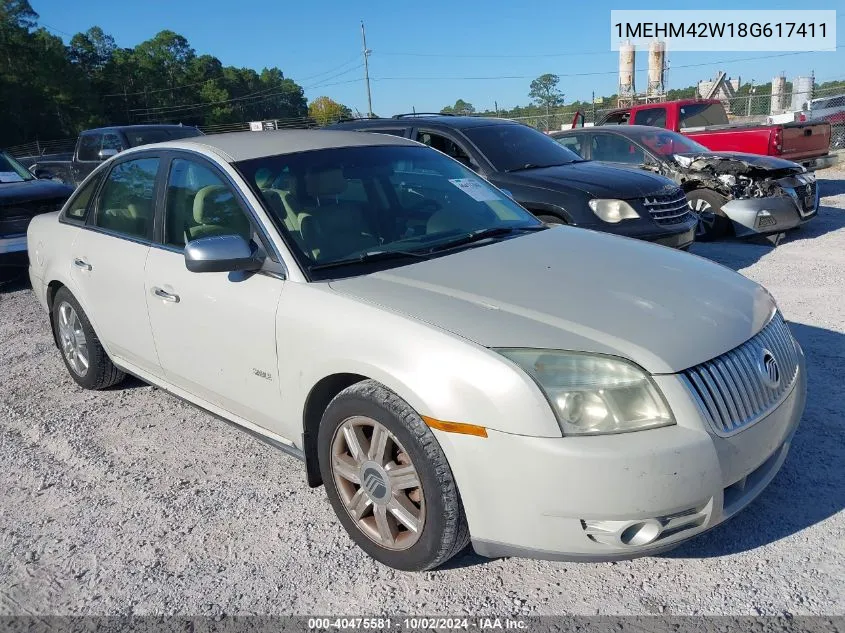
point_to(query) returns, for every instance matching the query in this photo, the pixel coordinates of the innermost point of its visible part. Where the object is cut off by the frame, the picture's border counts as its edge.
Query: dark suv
(552, 182)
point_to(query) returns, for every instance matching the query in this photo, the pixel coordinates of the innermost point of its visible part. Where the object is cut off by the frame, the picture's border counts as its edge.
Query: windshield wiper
(369, 256)
(483, 234)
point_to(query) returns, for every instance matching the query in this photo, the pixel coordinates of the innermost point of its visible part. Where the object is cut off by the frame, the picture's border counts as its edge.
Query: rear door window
(89, 147)
(651, 116)
(612, 148)
(703, 114)
(77, 209)
(127, 200)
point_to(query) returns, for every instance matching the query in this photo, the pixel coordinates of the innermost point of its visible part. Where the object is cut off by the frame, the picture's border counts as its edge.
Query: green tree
(325, 111)
(545, 93)
(460, 107)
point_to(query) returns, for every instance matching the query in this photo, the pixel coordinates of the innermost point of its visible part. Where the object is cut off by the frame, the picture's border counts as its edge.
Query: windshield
(158, 134)
(515, 147)
(666, 143)
(356, 204)
(12, 171)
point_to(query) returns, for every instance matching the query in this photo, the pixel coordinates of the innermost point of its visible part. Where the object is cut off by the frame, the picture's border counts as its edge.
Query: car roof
(238, 146)
(145, 126)
(442, 120)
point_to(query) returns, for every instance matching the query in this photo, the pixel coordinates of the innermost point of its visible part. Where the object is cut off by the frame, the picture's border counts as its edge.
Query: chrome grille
(734, 390)
(668, 209)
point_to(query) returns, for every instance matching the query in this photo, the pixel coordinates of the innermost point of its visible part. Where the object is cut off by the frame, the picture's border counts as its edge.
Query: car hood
(31, 190)
(736, 163)
(574, 289)
(594, 178)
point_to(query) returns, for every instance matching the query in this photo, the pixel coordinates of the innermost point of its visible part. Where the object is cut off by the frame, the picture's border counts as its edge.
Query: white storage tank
(627, 55)
(656, 66)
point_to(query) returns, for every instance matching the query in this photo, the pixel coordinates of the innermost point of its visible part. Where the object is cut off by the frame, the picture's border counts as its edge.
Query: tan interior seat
(332, 228)
(216, 212)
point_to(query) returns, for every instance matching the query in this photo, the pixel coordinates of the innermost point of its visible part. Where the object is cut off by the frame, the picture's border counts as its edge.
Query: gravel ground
(130, 502)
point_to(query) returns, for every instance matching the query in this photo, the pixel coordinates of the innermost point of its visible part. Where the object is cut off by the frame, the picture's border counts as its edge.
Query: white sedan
(448, 367)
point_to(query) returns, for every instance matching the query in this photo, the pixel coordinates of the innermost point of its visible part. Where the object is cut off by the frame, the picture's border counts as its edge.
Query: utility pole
(496, 105)
(367, 70)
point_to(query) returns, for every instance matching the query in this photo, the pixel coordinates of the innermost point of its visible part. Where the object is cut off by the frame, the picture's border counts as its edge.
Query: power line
(603, 72)
(326, 72)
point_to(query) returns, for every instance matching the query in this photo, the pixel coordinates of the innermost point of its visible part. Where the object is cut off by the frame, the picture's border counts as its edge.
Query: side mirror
(222, 254)
(104, 154)
(43, 174)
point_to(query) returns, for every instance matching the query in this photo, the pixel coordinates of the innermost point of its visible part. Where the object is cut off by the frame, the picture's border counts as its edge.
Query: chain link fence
(752, 107)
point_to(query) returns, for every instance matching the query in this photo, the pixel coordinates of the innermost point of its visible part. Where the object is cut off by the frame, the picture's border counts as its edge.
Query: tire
(84, 356)
(435, 505)
(551, 220)
(707, 206)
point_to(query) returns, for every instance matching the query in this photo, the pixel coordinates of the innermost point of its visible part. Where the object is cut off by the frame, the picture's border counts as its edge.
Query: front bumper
(579, 498)
(775, 214)
(13, 244)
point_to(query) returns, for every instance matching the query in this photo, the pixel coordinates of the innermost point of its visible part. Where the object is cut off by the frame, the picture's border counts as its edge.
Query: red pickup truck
(706, 121)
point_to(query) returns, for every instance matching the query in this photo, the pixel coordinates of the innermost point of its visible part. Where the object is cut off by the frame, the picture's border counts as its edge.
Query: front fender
(439, 374)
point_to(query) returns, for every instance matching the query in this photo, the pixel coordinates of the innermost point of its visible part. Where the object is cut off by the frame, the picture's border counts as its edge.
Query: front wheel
(706, 206)
(388, 479)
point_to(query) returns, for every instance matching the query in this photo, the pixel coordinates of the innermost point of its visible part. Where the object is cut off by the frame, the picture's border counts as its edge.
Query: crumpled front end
(764, 195)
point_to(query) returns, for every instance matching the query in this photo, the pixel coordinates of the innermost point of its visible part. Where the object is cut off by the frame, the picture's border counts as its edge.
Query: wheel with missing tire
(707, 206)
(84, 356)
(388, 479)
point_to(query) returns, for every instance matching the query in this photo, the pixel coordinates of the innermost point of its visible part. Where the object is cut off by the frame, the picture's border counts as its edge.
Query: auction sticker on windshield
(475, 189)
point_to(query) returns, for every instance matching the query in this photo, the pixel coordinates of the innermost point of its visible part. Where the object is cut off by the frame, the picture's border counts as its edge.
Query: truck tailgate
(805, 140)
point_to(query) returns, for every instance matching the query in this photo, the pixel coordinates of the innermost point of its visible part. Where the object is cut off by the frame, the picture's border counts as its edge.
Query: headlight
(613, 211)
(592, 394)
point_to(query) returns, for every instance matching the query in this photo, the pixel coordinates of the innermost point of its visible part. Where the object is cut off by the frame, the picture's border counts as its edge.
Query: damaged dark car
(731, 193)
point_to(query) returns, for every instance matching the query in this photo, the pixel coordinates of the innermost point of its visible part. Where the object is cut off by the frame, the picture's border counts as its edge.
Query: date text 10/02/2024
(414, 623)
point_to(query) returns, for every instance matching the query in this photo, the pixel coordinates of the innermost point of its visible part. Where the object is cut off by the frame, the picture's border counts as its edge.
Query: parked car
(22, 197)
(95, 146)
(449, 367)
(553, 183)
(743, 194)
(705, 121)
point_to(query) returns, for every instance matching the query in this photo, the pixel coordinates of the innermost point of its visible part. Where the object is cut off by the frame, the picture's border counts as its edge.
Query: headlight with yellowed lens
(613, 211)
(593, 395)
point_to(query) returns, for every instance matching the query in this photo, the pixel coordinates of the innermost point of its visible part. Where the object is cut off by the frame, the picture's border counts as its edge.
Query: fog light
(634, 533)
(641, 533)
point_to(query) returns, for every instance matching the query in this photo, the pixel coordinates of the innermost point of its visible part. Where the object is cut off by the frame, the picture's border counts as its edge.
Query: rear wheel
(388, 479)
(706, 206)
(84, 356)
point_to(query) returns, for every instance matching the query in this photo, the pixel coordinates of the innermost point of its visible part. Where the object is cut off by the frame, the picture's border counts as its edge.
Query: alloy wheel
(72, 339)
(377, 483)
(702, 210)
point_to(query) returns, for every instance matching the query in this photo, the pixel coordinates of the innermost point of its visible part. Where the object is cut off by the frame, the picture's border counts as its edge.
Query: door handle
(167, 296)
(81, 263)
